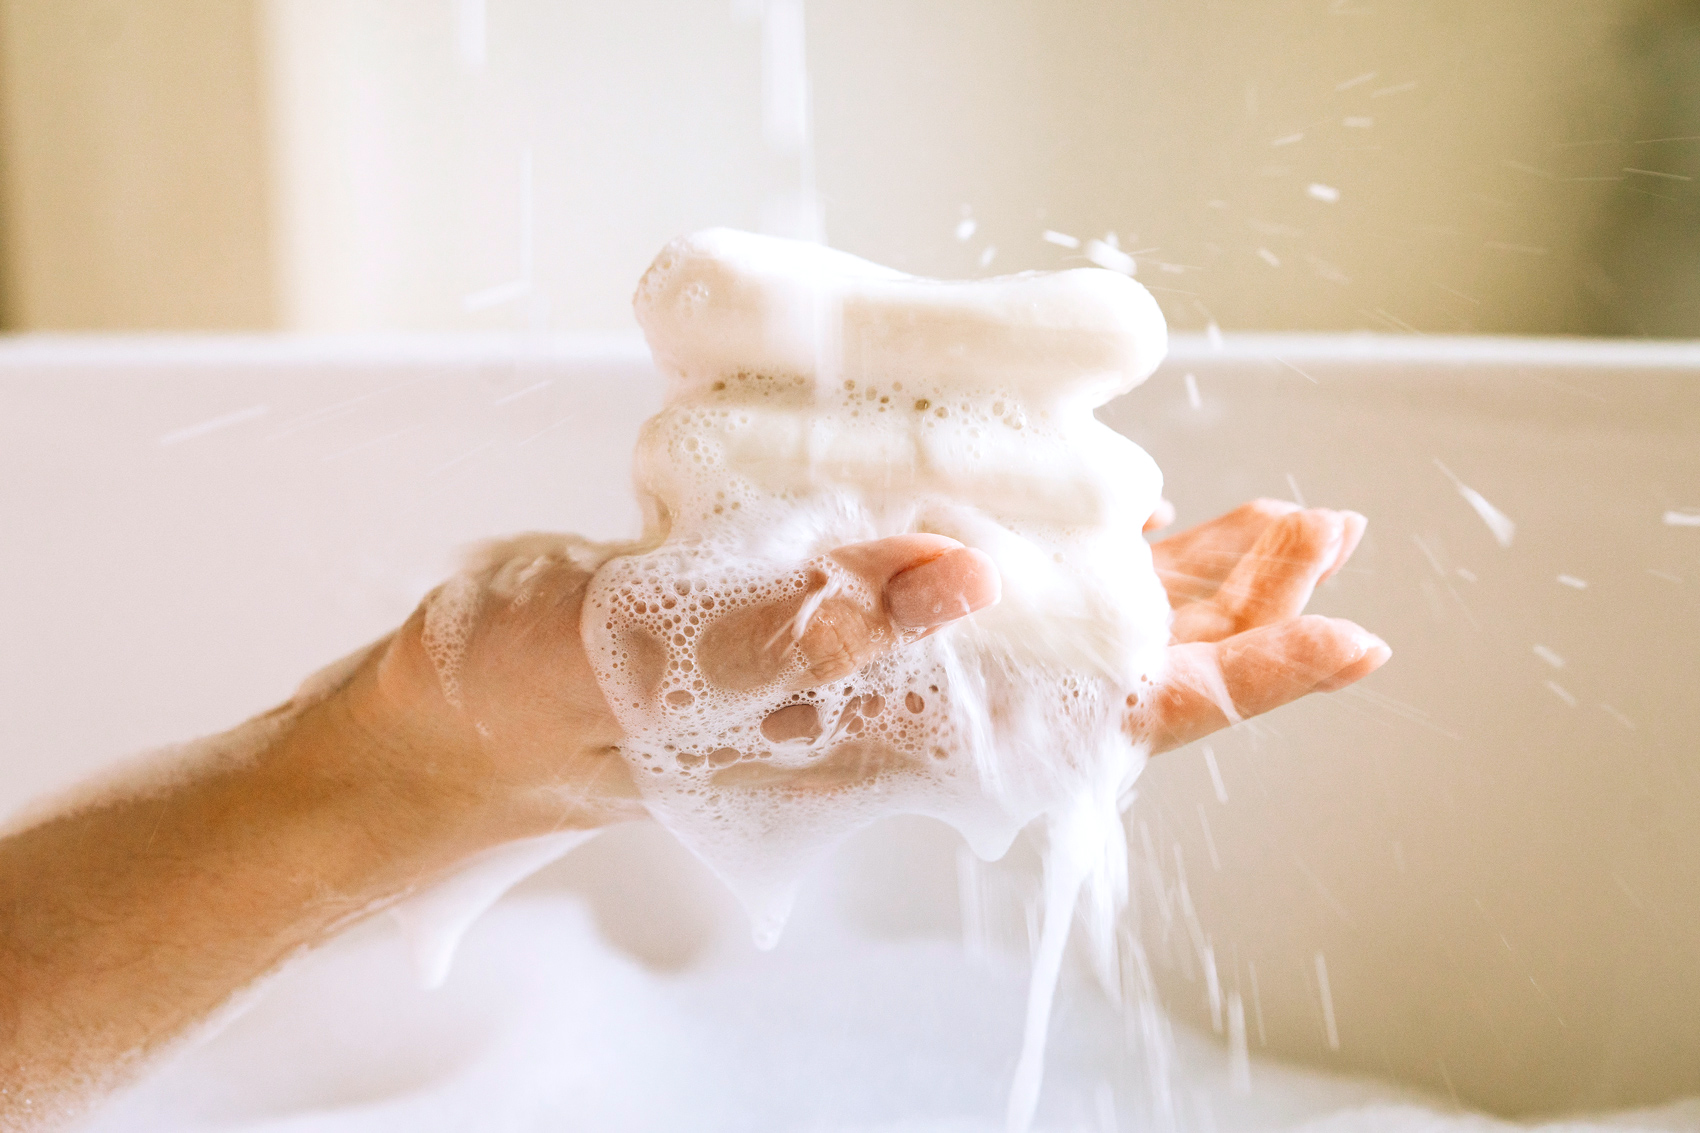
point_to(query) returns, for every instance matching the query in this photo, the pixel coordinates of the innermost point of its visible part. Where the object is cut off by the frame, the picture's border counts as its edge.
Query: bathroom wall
(364, 165)
(133, 166)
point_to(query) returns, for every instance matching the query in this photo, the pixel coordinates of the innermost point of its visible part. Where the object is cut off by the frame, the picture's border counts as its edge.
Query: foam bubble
(449, 614)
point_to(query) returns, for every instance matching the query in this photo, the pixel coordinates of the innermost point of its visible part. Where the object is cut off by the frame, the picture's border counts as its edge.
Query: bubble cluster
(449, 616)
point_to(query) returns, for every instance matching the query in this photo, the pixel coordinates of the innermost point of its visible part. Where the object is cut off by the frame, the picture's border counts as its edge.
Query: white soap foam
(817, 400)
(434, 921)
(546, 1026)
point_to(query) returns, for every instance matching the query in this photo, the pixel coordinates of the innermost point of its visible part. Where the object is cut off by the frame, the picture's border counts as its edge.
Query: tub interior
(1490, 851)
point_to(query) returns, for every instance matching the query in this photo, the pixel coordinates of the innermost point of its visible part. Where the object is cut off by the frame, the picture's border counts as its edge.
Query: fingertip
(1366, 642)
(986, 577)
(1367, 654)
(1356, 522)
(943, 589)
(1352, 533)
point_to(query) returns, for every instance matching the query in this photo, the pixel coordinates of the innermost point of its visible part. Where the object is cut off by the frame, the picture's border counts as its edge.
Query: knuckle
(837, 642)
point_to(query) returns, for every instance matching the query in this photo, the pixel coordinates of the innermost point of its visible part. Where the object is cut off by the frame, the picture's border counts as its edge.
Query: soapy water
(546, 1026)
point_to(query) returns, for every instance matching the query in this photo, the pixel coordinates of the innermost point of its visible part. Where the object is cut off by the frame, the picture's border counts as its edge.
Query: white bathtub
(1493, 848)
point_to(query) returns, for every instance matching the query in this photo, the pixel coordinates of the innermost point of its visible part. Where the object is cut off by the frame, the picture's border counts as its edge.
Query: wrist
(461, 783)
(383, 820)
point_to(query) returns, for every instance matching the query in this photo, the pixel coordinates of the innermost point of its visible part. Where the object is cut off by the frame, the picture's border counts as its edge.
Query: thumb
(857, 603)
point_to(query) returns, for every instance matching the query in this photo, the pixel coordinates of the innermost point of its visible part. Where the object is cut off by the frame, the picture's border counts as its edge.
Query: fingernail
(1336, 529)
(1366, 642)
(942, 590)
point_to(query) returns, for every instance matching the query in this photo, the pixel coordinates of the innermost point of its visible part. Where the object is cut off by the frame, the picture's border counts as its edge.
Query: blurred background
(1520, 166)
(1496, 844)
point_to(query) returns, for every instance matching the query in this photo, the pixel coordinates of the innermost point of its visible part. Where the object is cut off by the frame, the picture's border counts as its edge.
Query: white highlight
(519, 393)
(1504, 530)
(1209, 839)
(1327, 1002)
(1328, 194)
(189, 433)
(1682, 519)
(1549, 656)
(1108, 256)
(1256, 1002)
(1212, 986)
(471, 35)
(1239, 1056)
(1192, 396)
(1562, 693)
(1573, 582)
(785, 75)
(1060, 239)
(965, 228)
(1618, 716)
(1215, 774)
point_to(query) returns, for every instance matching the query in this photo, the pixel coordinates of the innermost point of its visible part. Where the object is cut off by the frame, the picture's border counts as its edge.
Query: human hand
(491, 711)
(1242, 644)
(509, 721)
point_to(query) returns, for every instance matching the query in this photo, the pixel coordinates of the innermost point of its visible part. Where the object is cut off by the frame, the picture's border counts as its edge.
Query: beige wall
(137, 148)
(401, 167)
(134, 166)
(1159, 121)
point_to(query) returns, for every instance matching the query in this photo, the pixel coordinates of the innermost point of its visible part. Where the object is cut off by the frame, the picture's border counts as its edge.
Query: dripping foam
(817, 400)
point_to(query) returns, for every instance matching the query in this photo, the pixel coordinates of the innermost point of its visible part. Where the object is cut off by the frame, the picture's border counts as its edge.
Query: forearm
(123, 926)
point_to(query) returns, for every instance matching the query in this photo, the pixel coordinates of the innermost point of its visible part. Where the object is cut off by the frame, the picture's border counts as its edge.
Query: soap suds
(816, 401)
(449, 614)
(434, 921)
(548, 1026)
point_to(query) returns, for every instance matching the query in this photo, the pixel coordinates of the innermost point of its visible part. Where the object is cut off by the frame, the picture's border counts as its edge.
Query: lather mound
(817, 400)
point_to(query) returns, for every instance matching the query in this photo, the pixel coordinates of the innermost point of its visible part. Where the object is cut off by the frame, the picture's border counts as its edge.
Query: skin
(127, 924)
